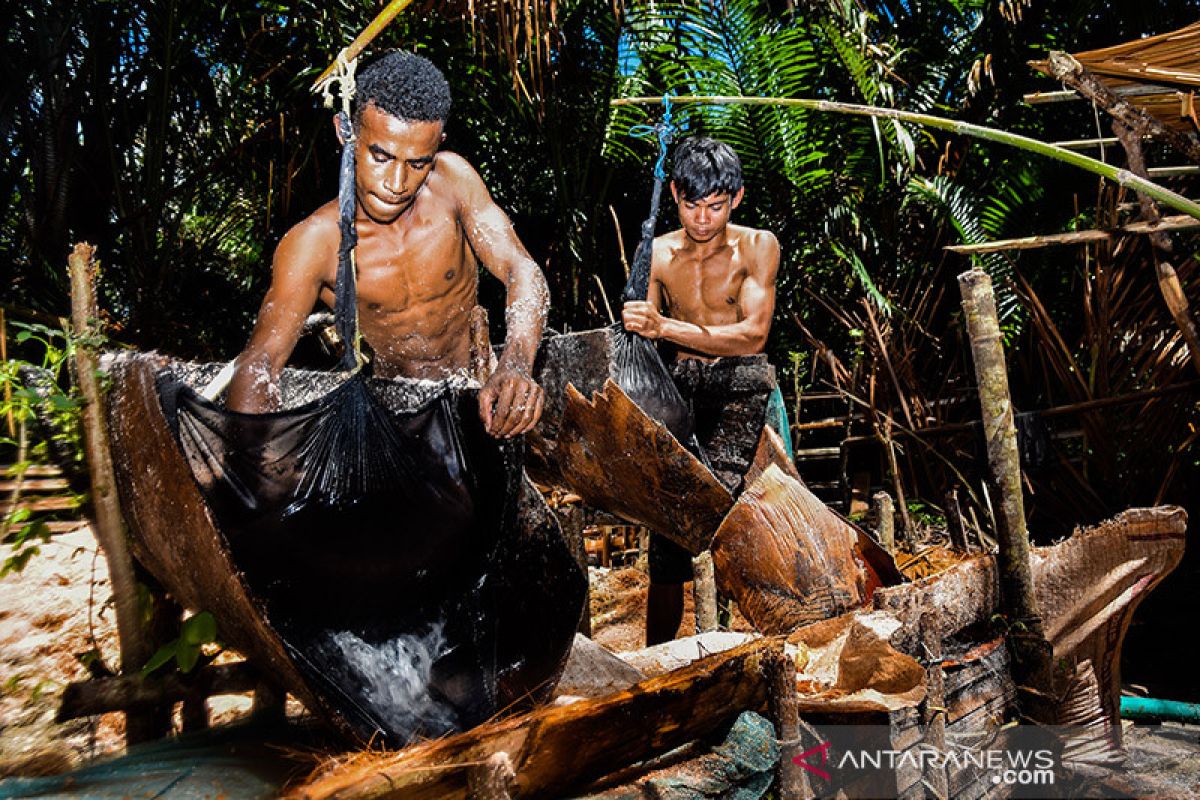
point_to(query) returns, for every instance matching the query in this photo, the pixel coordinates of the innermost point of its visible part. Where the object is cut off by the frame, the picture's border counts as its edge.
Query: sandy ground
(45, 625)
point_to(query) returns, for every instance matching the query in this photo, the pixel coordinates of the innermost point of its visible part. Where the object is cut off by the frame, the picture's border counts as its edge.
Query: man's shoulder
(317, 226)
(314, 237)
(755, 237)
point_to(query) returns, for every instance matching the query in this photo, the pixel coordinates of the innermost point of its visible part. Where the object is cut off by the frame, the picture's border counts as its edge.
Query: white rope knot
(341, 78)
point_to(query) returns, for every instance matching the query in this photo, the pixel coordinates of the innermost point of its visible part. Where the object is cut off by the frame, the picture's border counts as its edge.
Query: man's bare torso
(417, 282)
(703, 287)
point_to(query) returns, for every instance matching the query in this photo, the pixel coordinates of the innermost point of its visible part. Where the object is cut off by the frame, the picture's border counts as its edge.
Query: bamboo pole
(110, 525)
(1120, 176)
(1031, 652)
(355, 48)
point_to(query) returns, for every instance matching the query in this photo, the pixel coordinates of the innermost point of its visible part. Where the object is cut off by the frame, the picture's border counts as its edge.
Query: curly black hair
(404, 85)
(704, 166)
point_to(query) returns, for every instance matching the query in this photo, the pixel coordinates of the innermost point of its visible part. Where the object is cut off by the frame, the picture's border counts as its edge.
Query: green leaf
(199, 629)
(162, 656)
(186, 656)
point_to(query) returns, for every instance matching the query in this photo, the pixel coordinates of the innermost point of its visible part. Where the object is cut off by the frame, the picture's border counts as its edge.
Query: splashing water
(394, 679)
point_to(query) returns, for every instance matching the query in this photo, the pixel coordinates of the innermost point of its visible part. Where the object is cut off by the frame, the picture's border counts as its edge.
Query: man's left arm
(756, 301)
(510, 403)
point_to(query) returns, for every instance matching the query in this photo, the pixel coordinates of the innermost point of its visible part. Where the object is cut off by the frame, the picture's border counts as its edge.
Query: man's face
(707, 217)
(394, 158)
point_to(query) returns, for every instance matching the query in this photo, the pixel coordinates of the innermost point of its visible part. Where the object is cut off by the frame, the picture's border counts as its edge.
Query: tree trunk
(1031, 652)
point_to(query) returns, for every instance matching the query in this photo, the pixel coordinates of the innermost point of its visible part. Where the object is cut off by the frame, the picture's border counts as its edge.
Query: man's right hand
(510, 403)
(641, 317)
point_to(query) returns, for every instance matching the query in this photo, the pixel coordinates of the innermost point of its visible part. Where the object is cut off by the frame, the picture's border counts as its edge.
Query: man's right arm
(295, 284)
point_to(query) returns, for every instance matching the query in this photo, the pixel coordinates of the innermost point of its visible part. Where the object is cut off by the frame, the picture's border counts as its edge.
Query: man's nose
(396, 179)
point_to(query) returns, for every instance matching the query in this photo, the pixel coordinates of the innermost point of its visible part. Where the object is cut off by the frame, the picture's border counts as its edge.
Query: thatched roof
(1160, 74)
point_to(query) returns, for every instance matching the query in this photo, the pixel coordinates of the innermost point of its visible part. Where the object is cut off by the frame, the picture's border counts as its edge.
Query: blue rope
(665, 131)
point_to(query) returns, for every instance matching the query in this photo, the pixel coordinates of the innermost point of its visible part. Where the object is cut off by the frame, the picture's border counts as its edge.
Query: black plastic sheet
(389, 550)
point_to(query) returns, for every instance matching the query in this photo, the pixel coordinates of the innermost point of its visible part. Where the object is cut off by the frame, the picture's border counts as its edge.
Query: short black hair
(705, 166)
(404, 85)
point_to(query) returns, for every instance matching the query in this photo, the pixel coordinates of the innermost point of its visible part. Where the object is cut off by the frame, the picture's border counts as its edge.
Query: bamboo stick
(1026, 143)
(135, 645)
(354, 50)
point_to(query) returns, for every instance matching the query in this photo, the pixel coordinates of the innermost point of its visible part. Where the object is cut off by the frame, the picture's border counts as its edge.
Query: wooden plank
(1173, 223)
(31, 485)
(42, 504)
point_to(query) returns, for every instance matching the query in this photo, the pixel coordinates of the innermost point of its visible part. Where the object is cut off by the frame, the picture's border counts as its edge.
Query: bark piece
(786, 558)
(556, 748)
(620, 460)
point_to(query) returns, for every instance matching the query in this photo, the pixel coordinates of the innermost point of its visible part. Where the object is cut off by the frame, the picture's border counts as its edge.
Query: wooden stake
(784, 706)
(704, 592)
(933, 708)
(1031, 652)
(885, 521)
(110, 525)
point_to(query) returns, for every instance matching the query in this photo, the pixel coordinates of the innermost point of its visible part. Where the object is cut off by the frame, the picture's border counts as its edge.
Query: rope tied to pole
(665, 130)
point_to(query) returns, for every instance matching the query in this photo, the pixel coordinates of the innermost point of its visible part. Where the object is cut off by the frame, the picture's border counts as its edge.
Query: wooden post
(933, 708)
(1160, 243)
(780, 672)
(135, 646)
(704, 592)
(954, 521)
(885, 521)
(1031, 652)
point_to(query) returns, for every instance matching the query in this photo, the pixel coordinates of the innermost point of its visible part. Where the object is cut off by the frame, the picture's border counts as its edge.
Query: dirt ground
(57, 609)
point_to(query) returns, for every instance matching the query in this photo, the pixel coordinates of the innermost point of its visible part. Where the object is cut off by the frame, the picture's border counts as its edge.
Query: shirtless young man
(425, 223)
(711, 294)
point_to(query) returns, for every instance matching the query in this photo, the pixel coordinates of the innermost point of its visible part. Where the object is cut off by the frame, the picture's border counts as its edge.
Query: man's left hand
(510, 403)
(642, 318)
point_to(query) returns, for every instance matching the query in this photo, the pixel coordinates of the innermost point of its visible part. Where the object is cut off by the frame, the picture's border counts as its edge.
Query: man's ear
(337, 128)
(737, 198)
(675, 192)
